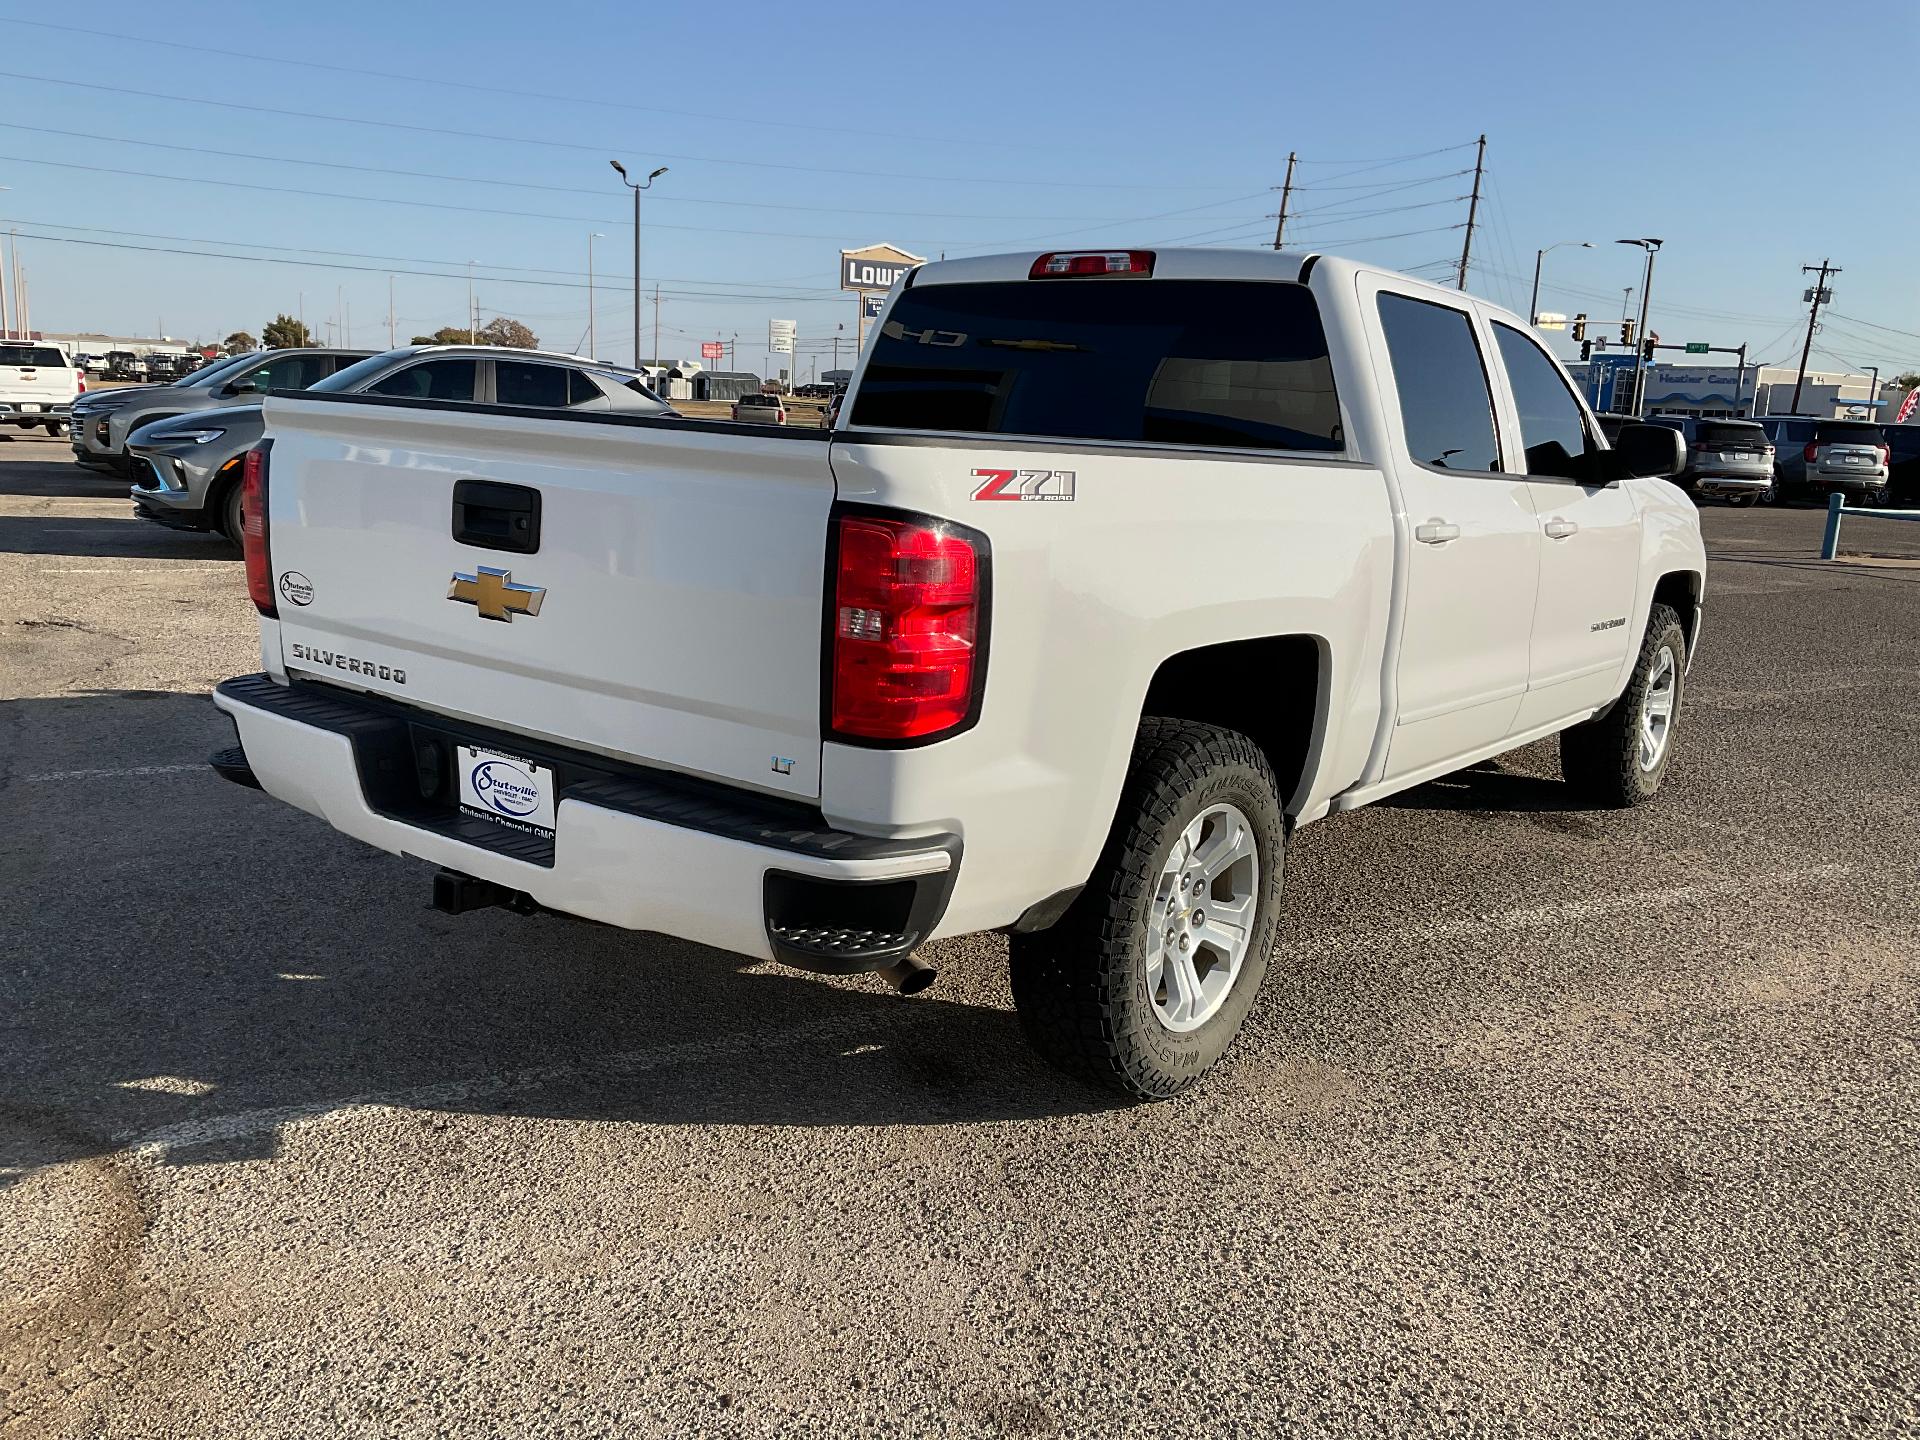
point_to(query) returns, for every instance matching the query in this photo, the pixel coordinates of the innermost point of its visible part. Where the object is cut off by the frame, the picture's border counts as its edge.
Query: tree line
(284, 332)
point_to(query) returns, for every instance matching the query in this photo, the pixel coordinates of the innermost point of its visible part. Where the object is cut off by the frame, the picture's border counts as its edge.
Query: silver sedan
(187, 469)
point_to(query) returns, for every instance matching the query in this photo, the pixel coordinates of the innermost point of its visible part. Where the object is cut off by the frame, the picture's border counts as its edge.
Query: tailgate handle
(491, 516)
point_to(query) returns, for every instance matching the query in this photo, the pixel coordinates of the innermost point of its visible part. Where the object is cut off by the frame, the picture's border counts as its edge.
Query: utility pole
(1740, 381)
(656, 322)
(1473, 211)
(391, 342)
(1819, 295)
(473, 315)
(1286, 195)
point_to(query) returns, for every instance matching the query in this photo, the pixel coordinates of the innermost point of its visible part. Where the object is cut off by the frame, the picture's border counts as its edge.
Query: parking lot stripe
(111, 774)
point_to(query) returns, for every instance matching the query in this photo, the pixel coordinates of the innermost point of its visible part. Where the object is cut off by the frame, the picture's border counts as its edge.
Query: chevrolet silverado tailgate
(648, 590)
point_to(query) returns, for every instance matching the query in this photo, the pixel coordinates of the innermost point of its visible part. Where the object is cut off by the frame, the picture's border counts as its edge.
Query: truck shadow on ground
(194, 965)
(1490, 786)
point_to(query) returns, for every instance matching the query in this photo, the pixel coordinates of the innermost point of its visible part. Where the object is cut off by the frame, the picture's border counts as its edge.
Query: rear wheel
(1147, 978)
(56, 427)
(1620, 758)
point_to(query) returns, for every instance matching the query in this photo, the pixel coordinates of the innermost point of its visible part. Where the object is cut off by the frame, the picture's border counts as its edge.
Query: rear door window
(1178, 362)
(520, 382)
(429, 380)
(1446, 407)
(1553, 428)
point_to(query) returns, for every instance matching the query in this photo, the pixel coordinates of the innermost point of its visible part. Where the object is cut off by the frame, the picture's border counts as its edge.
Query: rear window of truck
(32, 355)
(1177, 362)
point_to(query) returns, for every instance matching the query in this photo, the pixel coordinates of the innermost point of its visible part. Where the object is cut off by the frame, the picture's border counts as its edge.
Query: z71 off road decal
(1023, 485)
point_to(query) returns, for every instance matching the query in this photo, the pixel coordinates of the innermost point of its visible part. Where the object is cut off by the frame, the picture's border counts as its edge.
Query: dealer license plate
(506, 788)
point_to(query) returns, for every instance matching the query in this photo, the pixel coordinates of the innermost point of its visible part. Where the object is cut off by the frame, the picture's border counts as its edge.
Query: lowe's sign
(876, 267)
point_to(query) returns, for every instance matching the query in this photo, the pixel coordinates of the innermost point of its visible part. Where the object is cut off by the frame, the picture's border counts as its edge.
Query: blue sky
(1749, 140)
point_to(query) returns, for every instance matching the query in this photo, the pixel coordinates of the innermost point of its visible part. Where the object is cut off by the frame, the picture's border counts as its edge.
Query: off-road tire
(1601, 758)
(1080, 987)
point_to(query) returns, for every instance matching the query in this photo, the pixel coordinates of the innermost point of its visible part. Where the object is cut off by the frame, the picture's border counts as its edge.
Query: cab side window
(1553, 431)
(1446, 406)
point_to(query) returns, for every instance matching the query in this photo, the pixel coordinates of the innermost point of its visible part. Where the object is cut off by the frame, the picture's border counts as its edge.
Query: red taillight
(907, 610)
(1812, 453)
(80, 383)
(253, 530)
(1063, 263)
(1886, 456)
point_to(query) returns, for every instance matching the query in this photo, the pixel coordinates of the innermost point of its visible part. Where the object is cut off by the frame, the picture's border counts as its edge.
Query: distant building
(1727, 391)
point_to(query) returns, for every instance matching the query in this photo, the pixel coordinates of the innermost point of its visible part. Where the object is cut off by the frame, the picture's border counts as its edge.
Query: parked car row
(1786, 457)
(184, 445)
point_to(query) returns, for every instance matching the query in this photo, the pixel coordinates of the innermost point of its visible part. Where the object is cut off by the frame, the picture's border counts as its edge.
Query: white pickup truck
(1118, 567)
(38, 385)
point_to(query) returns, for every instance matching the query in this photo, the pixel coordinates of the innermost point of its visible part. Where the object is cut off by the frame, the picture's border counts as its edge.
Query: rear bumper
(639, 849)
(1847, 480)
(34, 412)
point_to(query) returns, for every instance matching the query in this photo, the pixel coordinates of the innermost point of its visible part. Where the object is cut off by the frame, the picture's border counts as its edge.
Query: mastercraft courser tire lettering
(1084, 989)
(1620, 758)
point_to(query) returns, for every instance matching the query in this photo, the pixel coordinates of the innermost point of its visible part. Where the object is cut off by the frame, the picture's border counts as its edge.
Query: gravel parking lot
(1550, 1123)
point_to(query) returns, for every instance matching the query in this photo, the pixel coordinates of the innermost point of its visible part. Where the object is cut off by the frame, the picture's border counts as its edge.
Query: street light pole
(1533, 305)
(637, 187)
(592, 236)
(1640, 338)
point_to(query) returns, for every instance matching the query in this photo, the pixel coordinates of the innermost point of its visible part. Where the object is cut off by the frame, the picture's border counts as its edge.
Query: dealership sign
(712, 349)
(876, 267)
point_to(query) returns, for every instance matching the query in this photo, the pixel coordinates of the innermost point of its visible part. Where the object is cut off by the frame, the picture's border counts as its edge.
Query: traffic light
(1586, 349)
(1646, 348)
(1626, 333)
(1580, 327)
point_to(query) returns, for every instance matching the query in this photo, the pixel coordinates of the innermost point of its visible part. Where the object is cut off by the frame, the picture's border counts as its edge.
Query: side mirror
(240, 387)
(1648, 451)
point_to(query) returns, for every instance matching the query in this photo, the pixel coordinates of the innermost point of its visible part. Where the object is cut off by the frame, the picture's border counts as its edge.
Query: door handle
(1436, 532)
(1558, 529)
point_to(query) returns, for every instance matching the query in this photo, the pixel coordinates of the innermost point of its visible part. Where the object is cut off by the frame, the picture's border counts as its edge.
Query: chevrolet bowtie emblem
(494, 594)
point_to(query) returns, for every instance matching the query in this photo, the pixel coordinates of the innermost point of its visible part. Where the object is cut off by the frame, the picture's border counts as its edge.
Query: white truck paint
(1267, 554)
(38, 385)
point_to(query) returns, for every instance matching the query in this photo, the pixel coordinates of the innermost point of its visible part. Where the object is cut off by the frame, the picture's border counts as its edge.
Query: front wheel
(1147, 978)
(1620, 758)
(231, 518)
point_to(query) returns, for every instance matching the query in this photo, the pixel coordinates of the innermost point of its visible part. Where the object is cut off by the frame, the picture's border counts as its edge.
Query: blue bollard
(1830, 546)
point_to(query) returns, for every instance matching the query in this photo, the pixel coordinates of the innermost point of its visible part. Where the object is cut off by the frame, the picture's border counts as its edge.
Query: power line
(528, 184)
(492, 210)
(1369, 239)
(489, 90)
(1856, 320)
(799, 292)
(1382, 185)
(596, 149)
(608, 285)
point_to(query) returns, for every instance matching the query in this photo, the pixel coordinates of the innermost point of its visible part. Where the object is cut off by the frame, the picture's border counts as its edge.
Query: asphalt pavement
(1550, 1122)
